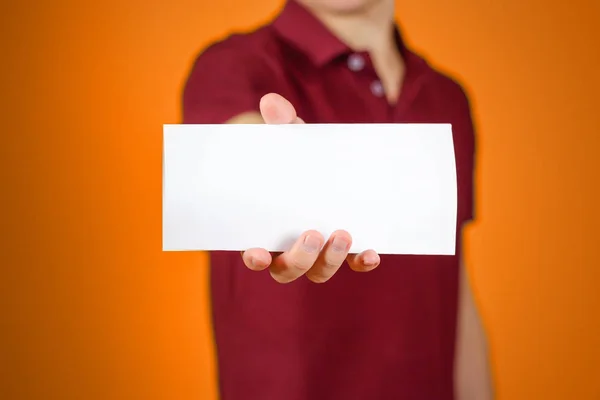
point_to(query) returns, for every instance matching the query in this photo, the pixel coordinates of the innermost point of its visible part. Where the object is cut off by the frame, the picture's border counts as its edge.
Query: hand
(310, 255)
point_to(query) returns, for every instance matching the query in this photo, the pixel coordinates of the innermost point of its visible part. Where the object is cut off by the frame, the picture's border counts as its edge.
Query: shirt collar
(299, 27)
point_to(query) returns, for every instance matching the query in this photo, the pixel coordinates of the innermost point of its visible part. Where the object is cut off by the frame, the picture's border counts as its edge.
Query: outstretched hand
(312, 255)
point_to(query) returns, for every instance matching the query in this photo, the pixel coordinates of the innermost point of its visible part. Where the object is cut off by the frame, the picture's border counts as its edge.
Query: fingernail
(340, 245)
(312, 244)
(256, 262)
(370, 260)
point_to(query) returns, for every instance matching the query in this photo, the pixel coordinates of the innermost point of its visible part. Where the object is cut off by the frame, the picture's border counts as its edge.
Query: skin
(358, 23)
(343, 7)
(312, 255)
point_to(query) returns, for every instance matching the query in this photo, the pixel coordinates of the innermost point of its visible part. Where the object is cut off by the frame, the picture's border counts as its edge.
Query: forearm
(473, 380)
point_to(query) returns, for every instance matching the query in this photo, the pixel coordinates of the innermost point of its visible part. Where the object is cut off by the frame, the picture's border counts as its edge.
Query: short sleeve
(465, 155)
(225, 80)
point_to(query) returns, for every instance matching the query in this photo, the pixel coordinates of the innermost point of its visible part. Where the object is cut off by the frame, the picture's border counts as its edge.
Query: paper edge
(167, 127)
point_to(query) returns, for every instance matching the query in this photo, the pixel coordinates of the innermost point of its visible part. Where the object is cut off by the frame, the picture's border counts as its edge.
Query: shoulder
(247, 52)
(447, 97)
(448, 100)
(449, 89)
(229, 77)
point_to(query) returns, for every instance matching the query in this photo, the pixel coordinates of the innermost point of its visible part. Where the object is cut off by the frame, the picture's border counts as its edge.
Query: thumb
(275, 109)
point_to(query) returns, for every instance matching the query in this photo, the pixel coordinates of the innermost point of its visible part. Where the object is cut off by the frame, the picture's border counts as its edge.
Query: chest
(350, 91)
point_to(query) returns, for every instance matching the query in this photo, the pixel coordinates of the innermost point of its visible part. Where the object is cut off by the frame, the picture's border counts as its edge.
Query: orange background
(92, 309)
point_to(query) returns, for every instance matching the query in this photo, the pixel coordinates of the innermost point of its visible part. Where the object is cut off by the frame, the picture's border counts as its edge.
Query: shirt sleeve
(225, 81)
(466, 158)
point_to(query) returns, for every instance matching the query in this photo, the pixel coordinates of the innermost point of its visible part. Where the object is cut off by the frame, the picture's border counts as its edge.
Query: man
(409, 328)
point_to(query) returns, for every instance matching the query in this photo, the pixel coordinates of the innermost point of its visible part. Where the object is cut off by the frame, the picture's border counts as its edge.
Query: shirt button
(377, 89)
(356, 62)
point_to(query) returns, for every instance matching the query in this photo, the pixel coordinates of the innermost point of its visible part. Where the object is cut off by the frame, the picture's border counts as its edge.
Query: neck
(370, 28)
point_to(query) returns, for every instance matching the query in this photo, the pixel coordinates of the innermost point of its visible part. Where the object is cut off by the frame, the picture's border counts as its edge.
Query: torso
(383, 335)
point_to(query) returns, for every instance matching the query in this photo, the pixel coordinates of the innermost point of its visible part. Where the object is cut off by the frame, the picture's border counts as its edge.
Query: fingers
(331, 258)
(310, 257)
(292, 264)
(275, 109)
(257, 259)
(364, 262)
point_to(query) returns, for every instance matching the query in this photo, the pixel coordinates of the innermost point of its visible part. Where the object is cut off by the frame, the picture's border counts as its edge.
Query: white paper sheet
(234, 187)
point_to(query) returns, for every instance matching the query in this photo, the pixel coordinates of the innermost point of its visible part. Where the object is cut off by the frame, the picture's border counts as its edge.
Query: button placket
(356, 62)
(377, 88)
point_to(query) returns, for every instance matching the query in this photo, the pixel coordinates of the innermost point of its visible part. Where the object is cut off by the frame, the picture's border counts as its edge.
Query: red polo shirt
(388, 334)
